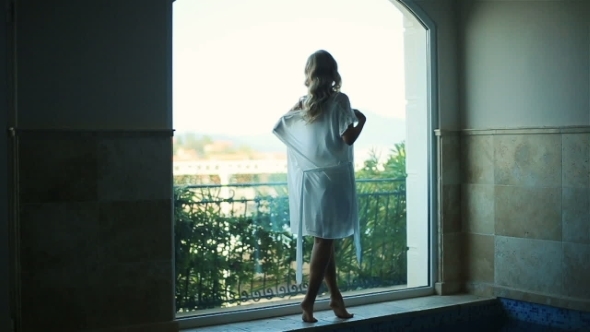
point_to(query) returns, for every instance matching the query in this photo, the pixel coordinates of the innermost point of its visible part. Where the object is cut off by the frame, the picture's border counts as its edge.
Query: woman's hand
(353, 132)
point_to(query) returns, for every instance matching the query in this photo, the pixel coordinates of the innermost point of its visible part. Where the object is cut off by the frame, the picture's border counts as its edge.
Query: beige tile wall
(525, 211)
(96, 231)
(451, 239)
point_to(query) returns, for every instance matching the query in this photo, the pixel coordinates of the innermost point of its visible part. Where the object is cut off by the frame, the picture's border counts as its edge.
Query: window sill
(326, 319)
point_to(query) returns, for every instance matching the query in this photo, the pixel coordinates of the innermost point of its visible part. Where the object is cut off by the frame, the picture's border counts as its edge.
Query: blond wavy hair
(322, 81)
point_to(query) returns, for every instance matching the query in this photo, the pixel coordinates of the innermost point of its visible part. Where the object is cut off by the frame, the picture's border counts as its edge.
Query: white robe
(322, 190)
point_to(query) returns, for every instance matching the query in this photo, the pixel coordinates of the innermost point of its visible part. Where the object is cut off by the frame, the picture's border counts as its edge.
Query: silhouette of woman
(319, 132)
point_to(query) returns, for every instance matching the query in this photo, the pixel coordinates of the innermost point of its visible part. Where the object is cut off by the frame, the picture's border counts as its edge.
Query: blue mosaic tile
(521, 326)
(564, 319)
(503, 315)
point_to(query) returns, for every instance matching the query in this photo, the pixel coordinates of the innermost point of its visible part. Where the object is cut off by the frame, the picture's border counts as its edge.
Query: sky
(238, 64)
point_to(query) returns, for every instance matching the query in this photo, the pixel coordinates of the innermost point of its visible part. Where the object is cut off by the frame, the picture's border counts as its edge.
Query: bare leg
(336, 300)
(320, 256)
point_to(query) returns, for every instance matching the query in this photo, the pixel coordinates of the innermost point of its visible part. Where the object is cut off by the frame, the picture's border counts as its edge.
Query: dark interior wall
(94, 165)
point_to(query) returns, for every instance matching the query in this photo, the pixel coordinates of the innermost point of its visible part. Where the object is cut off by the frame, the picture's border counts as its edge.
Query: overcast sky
(238, 64)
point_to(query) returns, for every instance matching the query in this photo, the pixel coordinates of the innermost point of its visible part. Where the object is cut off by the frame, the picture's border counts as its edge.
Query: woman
(319, 132)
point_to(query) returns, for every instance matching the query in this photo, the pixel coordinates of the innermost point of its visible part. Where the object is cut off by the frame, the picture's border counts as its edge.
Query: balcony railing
(233, 244)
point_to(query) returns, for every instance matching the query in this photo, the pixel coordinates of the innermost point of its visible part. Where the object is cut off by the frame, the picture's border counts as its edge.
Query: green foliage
(218, 256)
(233, 250)
(394, 167)
(382, 212)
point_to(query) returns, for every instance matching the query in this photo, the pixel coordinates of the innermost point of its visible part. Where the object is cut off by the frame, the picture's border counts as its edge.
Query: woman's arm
(298, 106)
(352, 133)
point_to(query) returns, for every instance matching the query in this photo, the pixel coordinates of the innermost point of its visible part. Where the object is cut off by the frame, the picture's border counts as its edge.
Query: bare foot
(307, 315)
(339, 308)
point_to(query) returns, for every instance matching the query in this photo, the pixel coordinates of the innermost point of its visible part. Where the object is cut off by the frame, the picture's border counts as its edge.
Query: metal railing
(233, 244)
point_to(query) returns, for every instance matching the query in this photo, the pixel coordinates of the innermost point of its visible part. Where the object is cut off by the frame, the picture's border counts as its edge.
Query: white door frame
(410, 7)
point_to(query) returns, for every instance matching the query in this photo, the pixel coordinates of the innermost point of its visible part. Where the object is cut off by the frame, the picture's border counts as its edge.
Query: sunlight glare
(238, 65)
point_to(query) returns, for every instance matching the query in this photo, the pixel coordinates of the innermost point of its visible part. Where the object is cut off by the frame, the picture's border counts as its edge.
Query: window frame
(247, 314)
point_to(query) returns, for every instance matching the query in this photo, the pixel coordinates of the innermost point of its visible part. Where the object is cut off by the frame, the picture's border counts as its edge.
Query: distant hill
(378, 132)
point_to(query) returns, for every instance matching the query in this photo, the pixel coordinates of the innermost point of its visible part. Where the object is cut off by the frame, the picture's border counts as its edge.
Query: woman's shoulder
(341, 99)
(340, 96)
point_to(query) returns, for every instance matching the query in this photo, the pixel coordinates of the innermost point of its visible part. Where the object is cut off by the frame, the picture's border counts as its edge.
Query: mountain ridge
(379, 132)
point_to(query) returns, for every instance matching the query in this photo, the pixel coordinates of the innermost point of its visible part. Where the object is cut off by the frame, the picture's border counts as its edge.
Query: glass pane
(238, 66)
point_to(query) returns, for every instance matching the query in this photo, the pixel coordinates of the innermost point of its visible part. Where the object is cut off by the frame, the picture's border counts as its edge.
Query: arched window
(239, 64)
